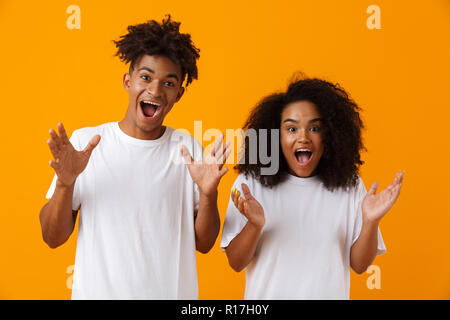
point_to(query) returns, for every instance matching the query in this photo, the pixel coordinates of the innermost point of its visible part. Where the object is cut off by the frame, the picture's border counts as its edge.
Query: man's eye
(170, 84)
(145, 77)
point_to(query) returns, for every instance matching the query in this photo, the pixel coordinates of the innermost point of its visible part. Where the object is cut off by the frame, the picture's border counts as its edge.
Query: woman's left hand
(375, 206)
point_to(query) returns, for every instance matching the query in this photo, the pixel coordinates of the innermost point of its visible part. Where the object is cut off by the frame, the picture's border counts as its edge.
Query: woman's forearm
(241, 249)
(364, 250)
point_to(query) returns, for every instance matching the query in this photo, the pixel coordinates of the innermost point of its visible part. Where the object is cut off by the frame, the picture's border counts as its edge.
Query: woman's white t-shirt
(137, 202)
(304, 248)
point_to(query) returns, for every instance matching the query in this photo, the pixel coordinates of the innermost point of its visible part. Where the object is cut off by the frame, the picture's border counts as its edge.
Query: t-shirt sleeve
(234, 220)
(197, 155)
(360, 194)
(76, 202)
(196, 199)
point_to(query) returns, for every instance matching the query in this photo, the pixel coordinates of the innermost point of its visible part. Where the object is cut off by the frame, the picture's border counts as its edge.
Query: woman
(298, 232)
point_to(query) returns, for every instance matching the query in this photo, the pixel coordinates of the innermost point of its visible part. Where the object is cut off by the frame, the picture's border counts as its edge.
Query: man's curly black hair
(341, 136)
(164, 39)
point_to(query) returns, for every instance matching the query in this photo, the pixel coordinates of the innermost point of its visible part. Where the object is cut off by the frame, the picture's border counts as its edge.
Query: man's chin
(149, 124)
(150, 128)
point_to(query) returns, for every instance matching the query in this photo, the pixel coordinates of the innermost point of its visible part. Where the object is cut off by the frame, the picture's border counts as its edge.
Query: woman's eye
(291, 129)
(168, 83)
(315, 129)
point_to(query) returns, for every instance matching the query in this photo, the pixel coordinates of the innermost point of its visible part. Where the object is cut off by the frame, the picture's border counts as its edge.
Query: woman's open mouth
(150, 109)
(303, 156)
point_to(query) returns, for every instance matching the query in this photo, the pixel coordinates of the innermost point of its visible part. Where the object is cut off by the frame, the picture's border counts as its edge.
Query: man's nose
(154, 88)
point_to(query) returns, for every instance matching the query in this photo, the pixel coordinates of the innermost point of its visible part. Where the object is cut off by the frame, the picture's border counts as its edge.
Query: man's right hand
(68, 163)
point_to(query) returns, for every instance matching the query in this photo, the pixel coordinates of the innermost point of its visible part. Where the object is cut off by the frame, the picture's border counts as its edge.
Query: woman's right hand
(68, 163)
(249, 206)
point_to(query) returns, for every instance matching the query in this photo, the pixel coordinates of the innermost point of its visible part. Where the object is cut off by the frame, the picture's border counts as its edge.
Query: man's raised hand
(208, 172)
(68, 163)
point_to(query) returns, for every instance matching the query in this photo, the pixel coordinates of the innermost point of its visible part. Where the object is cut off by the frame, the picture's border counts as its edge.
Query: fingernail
(245, 204)
(239, 198)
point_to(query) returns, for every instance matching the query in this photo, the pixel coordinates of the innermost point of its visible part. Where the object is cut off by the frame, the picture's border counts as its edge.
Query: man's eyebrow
(147, 68)
(170, 75)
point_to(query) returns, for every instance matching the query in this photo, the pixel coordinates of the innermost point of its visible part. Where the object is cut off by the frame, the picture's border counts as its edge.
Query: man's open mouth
(303, 156)
(150, 108)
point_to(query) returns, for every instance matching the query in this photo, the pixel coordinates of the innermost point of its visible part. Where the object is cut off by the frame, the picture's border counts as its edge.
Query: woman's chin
(302, 171)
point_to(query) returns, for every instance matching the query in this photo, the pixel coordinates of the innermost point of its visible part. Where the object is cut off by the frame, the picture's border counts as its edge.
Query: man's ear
(126, 81)
(180, 93)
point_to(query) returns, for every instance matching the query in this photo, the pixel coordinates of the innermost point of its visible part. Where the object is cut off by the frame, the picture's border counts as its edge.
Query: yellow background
(399, 75)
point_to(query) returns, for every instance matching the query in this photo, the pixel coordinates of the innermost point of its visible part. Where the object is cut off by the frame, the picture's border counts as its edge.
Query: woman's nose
(303, 135)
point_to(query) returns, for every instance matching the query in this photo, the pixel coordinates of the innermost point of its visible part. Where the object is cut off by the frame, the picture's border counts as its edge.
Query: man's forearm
(364, 250)
(57, 221)
(207, 222)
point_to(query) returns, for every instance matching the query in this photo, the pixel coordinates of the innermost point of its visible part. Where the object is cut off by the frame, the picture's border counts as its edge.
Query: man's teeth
(151, 103)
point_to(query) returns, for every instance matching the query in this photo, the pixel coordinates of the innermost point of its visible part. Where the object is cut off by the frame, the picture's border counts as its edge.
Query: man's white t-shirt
(304, 248)
(137, 202)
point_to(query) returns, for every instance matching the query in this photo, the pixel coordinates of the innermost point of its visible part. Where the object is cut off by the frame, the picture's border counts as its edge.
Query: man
(142, 212)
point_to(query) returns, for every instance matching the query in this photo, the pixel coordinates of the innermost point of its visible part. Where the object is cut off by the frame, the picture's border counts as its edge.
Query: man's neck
(135, 132)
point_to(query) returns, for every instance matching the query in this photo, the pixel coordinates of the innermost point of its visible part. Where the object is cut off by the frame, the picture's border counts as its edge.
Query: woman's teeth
(303, 155)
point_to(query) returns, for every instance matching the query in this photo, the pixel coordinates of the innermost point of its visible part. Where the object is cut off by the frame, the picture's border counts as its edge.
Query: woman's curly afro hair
(164, 39)
(341, 136)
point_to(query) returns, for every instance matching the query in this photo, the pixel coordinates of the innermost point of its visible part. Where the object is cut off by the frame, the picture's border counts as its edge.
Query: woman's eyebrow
(296, 121)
